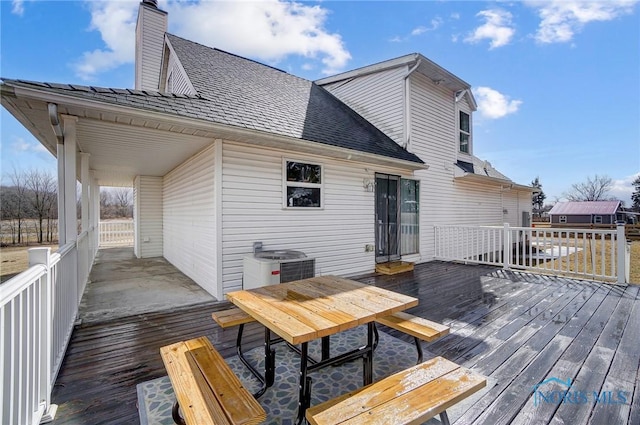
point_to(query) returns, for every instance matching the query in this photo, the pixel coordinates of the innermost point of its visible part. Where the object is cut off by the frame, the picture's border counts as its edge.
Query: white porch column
(84, 177)
(62, 234)
(69, 186)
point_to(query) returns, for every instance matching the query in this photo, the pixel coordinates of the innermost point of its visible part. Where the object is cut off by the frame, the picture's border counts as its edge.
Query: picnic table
(316, 308)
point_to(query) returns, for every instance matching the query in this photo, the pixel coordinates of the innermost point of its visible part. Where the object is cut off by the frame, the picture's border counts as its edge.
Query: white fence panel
(116, 233)
(586, 253)
(38, 309)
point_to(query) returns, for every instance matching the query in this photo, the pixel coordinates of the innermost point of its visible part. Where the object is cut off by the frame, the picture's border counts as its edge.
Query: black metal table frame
(308, 363)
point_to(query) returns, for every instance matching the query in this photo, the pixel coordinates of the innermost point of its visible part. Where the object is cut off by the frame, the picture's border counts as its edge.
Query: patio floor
(519, 329)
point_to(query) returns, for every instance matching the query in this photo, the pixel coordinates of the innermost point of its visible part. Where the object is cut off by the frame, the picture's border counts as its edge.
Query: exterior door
(387, 218)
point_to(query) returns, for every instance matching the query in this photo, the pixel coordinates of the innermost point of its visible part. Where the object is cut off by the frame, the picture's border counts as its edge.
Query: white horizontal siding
(190, 220)
(152, 24)
(252, 191)
(177, 79)
(148, 216)
(378, 97)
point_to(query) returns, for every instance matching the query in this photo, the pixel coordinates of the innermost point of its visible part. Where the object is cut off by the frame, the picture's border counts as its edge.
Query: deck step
(394, 267)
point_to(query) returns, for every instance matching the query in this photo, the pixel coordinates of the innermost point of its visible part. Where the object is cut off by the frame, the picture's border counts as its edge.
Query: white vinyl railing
(116, 233)
(586, 253)
(38, 309)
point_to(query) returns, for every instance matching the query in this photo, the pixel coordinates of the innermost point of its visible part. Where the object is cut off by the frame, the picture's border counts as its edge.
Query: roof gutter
(55, 122)
(406, 143)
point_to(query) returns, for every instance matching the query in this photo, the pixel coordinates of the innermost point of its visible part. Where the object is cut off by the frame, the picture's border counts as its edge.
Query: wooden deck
(518, 329)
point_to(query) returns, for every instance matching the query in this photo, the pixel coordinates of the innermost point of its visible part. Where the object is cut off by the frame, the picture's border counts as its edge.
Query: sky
(557, 82)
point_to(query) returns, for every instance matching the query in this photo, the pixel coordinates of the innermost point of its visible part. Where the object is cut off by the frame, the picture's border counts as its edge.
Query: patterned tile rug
(156, 398)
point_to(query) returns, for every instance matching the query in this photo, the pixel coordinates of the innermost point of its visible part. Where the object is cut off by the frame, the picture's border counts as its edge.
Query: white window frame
(459, 131)
(286, 184)
(562, 219)
(597, 219)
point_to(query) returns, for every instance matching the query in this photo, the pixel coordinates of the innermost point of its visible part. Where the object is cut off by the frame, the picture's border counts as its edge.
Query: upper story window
(303, 185)
(464, 127)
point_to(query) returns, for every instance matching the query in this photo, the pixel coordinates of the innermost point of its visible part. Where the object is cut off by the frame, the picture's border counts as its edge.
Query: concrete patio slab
(121, 285)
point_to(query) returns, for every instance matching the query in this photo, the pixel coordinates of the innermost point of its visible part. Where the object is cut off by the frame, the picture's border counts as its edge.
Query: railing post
(621, 248)
(507, 248)
(43, 256)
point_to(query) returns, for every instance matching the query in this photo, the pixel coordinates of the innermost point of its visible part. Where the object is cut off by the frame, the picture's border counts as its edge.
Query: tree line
(29, 205)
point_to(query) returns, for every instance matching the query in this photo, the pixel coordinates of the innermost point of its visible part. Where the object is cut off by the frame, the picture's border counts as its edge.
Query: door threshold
(394, 267)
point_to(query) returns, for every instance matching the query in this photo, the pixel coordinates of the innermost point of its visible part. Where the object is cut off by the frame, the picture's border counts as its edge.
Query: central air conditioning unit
(272, 267)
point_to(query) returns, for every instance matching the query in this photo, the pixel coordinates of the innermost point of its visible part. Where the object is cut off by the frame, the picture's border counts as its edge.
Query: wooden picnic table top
(308, 309)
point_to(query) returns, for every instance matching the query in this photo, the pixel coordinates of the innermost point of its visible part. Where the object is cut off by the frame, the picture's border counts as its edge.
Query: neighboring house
(587, 212)
(223, 151)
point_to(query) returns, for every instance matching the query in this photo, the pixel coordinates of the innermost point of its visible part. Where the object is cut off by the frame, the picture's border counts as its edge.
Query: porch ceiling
(120, 146)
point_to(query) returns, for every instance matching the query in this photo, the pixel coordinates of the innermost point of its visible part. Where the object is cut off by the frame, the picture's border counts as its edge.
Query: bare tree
(42, 197)
(593, 189)
(18, 210)
(123, 200)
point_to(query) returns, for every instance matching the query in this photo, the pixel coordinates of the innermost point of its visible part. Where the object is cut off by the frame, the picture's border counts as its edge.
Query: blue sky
(557, 83)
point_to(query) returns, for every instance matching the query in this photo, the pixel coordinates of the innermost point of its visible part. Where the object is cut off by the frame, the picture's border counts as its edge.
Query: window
(464, 125)
(563, 219)
(409, 216)
(597, 219)
(303, 185)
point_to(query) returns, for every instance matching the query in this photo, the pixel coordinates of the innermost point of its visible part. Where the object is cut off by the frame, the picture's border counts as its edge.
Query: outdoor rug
(156, 397)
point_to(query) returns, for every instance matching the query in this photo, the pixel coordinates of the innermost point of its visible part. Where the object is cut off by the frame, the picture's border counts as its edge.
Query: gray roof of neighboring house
(257, 96)
(585, 208)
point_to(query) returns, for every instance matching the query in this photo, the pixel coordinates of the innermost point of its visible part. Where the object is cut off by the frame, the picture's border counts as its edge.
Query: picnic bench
(236, 317)
(207, 390)
(411, 396)
(417, 327)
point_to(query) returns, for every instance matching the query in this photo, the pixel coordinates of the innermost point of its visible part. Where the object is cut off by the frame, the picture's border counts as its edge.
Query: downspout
(55, 122)
(406, 143)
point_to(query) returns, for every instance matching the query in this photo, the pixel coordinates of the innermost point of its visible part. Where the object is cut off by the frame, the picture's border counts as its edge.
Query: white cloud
(492, 104)
(419, 30)
(498, 28)
(20, 145)
(561, 20)
(116, 22)
(18, 7)
(433, 25)
(269, 31)
(623, 188)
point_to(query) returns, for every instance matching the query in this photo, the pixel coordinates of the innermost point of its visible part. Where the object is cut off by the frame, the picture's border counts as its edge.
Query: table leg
(326, 347)
(304, 394)
(269, 359)
(367, 359)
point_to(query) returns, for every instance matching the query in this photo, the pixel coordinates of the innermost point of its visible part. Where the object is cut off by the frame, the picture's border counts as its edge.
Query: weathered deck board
(517, 328)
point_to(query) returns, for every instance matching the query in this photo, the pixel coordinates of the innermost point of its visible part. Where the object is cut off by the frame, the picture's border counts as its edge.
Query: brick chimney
(150, 30)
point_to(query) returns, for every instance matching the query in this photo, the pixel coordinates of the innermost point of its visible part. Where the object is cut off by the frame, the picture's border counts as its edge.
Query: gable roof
(585, 208)
(256, 96)
(425, 66)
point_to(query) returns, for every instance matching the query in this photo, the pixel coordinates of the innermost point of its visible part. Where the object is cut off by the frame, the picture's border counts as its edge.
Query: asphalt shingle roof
(257, 96)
